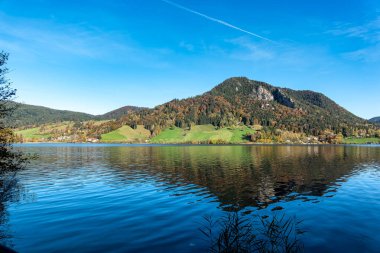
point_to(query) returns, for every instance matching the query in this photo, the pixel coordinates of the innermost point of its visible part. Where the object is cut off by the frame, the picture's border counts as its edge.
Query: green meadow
(197, 134)
(361, 140)
(33, 134)
(203, 134)
(126, 134)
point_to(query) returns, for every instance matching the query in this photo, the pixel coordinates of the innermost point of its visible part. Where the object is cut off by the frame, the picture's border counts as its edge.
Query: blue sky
(95, 56)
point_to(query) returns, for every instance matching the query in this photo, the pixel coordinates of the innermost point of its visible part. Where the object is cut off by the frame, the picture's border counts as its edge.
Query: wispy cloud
(42, 34)
(368, 54)
(249, 51)
(216, 20)
(287, 56)
(187, 46)
(369, 31)
(36, 38)
(369, 36)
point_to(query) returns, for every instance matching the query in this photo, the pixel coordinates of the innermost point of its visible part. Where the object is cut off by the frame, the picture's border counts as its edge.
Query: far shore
(204, 144)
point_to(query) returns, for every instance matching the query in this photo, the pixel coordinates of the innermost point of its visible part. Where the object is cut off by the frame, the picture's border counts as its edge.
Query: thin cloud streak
(46, 39)
(216, 20)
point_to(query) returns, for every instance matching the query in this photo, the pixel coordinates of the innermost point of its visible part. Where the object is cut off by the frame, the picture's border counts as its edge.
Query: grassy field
(43, 132)
(196, 135)
(126, 134)
(361, 140)
(202, 134)
(32, 134)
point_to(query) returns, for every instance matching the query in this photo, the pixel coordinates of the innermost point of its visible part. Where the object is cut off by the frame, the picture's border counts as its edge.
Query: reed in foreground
(237, 233)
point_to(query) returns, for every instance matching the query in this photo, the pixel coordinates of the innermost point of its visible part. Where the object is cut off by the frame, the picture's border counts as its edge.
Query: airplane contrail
(215, 20)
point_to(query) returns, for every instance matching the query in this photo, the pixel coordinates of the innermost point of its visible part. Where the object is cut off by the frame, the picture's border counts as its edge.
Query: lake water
(147, 198)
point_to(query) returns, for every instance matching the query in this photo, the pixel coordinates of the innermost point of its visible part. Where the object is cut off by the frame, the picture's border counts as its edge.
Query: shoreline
(201, 144)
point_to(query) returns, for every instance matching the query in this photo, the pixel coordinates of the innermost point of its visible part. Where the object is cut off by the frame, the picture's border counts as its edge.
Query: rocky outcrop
(262, 93)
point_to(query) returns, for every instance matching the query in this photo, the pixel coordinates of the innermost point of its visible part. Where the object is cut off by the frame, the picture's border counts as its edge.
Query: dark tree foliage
(32, 115)
(375, 120)
(11, 161)
(120, 112)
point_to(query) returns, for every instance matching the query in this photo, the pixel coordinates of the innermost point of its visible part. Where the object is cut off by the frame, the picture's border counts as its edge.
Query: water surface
(151, 198)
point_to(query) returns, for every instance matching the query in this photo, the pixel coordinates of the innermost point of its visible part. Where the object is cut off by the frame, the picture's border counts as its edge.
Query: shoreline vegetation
(74, 132)
(199, 144)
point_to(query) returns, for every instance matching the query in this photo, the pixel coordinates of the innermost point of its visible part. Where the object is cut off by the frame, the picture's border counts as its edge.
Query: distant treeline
(31, 115)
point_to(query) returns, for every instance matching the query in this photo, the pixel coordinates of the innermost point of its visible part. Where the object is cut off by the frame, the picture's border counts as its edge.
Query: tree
(339, 138)
(11, 161)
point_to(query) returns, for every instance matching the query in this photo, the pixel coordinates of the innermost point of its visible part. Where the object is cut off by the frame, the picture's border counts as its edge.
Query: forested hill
(375, 120)
(31, 115)
(236, 101)
(121, 112)
(295, 110)
(239, 100)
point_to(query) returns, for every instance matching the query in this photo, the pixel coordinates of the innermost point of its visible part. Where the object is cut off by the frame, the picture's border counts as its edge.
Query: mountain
(29, 115)
(120, 112)
(281, 106)
(375, 120)
(32, 115)
(240, 100)
(235, 101)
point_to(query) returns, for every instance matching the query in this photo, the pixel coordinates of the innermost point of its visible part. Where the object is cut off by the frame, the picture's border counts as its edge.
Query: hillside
(242, 101)
(31, 115)
(299, 111)
(261, 112)
(126, 134)
(120, 112)
(375, 120)
(204, 134)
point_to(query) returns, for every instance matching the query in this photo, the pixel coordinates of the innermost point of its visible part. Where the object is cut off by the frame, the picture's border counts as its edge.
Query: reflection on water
(126, 192)
(245, 176)
(11, 191)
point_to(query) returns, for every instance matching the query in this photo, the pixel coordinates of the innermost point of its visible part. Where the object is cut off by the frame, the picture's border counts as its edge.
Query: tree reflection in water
(245, 176)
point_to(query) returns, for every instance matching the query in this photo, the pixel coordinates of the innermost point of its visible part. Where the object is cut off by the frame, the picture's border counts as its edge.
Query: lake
(152, 198)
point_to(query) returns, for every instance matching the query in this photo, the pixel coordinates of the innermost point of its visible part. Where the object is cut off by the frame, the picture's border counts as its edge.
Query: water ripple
(85, 198)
